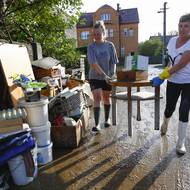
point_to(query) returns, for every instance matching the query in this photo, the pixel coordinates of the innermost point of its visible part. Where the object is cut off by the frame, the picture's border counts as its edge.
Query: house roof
(85, 20)
(126, 16)
(105, 6)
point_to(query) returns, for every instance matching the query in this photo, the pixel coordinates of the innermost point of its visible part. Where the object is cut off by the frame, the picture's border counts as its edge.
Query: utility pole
(163, 10)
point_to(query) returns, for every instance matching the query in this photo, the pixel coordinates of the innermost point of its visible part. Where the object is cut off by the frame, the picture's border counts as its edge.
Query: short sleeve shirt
(183, 75)
(103, 54)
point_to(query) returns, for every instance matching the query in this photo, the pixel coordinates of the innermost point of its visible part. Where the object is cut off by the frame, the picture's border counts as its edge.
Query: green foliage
(46, 22)
(82, 50)
(151, 47)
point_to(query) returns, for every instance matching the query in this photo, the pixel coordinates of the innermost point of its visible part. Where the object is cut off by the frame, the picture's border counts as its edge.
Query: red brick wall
(129, 43)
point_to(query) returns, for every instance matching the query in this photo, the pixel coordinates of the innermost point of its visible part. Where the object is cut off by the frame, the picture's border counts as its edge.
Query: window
(131, 32)
(105, 17)
(84, 35)
(109, 32)
(122, 52)
(128, 32)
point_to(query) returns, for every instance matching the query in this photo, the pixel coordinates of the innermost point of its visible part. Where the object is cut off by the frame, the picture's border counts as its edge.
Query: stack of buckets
(37, 118)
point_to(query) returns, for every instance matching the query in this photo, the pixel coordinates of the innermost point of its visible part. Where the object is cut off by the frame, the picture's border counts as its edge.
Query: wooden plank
(10, 125)
(138, 107)
(131, 84)
(131, 76)
(129, 112)
(114, 107)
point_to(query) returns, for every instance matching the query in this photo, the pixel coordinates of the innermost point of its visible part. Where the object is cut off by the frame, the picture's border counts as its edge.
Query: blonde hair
(185, 18)
(100, 24)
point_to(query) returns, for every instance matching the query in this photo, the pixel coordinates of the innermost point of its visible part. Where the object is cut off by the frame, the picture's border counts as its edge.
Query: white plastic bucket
(18, 171)
(37, 112)
(42, 134)
(44, 154)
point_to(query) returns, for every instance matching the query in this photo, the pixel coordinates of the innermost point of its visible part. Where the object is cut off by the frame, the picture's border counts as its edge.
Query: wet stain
(112, 160)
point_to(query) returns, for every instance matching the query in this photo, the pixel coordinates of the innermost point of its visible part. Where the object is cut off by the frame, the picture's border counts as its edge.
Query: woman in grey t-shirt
(102, 58)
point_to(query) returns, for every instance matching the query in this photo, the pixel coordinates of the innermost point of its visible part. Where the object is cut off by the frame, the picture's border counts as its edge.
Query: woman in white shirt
(178, 84)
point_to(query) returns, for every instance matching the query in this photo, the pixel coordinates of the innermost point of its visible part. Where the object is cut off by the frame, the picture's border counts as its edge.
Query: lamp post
(163, 10)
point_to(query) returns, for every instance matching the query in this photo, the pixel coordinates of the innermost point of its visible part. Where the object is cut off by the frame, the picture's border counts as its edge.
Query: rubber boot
(164, 126)
(180, 147)
(96, 115)
(107, 113)
(97, 128)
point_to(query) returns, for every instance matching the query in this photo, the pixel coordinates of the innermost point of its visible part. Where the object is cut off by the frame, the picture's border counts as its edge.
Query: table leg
(157, 108)
(114, 106)
(129, 111)
(138, 107)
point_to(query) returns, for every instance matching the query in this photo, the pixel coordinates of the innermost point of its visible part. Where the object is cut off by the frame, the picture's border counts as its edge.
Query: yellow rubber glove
(165, 74)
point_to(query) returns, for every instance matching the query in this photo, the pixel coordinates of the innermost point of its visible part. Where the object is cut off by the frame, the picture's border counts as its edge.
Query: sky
(151, 22)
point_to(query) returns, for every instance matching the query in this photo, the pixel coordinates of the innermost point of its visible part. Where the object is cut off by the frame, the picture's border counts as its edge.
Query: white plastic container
(44, 154)
(42, 134)
(37, 112)
(18, 170)
(128, 63)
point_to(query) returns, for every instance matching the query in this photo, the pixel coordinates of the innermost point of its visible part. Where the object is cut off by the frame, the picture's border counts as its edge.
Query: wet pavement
(113, 160)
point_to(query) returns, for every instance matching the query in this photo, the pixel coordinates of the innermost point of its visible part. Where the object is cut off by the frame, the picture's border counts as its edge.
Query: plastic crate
(74, 104)
(71, 106)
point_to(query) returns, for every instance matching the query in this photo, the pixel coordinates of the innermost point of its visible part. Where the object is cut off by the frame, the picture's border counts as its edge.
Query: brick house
(121, 28)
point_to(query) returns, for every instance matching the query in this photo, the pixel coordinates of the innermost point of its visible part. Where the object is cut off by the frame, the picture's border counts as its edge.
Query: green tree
(151, 47)
(46, 22)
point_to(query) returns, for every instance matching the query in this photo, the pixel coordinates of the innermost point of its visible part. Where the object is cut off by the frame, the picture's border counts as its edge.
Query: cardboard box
(130, 76)
(49, 91)
(17, 63)
(85, 120)
(70, 137)
(11, 125)
(40, 73)
(66, 136)
(72, 83)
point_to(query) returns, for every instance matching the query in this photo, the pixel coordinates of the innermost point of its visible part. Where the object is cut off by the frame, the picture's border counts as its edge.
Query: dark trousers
(173, 91)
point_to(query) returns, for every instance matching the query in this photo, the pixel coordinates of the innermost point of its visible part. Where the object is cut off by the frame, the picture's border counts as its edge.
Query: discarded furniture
(48, 70)
(129, 85)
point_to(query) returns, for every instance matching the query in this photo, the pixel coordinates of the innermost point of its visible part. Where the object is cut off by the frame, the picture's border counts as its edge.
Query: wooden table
(129, 85)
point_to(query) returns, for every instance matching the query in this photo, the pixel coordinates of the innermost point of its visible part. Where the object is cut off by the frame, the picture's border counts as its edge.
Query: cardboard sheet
(14, 59)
